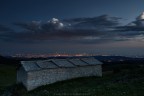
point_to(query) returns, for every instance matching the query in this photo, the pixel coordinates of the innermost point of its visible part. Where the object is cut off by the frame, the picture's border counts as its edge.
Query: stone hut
(33, 74)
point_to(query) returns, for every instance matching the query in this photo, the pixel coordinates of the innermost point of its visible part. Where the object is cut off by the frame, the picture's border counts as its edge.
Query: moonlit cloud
(56, 22)
(137, 25)
(140, 17)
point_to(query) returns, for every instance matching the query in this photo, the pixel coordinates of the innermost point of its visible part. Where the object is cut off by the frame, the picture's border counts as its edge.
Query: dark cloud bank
(97, 29)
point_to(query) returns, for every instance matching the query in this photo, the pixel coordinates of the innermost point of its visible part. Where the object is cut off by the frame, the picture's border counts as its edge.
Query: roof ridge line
(37, 64)
(54, 63)
(84, 61)
(72, 63)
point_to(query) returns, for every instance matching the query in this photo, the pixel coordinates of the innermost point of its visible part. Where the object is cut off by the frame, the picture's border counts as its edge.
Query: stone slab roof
(46, 64)
(59, 63)
(62, 63)
(91, 61)
(78, 62)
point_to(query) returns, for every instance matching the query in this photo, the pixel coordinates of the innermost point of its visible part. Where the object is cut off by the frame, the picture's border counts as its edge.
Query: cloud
(33, 26)
(96, 29)
(56, 22)
(137, 25)
(101, 23)
(52, 25)
(133, 30)
(58, 34)
(68, 29)
(3, 28)
(96, 23)
(140, 17)
(38, 26)
(5, 32)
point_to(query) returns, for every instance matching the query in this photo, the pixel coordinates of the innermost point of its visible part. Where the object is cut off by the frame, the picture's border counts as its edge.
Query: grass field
(7, 76)
(128, 82)
(125, 83)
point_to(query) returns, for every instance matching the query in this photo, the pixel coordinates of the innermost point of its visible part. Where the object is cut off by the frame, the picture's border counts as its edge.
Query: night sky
(114, 27)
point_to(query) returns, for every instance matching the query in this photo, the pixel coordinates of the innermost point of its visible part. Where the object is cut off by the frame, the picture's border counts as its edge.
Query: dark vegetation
(9, 61)
(121, 77)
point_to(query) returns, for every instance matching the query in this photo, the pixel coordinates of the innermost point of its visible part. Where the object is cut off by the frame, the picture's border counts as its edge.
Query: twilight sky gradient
(72, 26)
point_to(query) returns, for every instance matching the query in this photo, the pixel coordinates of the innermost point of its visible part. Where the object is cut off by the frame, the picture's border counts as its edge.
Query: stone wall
(48, 76)
(22, 76)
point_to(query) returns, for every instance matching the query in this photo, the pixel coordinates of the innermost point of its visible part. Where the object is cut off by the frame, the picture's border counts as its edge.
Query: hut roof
(58, 63)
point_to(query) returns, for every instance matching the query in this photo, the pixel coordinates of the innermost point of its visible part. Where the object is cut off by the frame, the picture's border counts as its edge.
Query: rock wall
(22, 76)
(48, 76)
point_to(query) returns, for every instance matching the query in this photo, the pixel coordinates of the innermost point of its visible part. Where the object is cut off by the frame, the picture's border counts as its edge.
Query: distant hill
(105, 59)
(8, 60)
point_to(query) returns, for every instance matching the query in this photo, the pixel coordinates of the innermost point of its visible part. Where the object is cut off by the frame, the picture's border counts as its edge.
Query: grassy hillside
(7, 76)
(128, 82)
